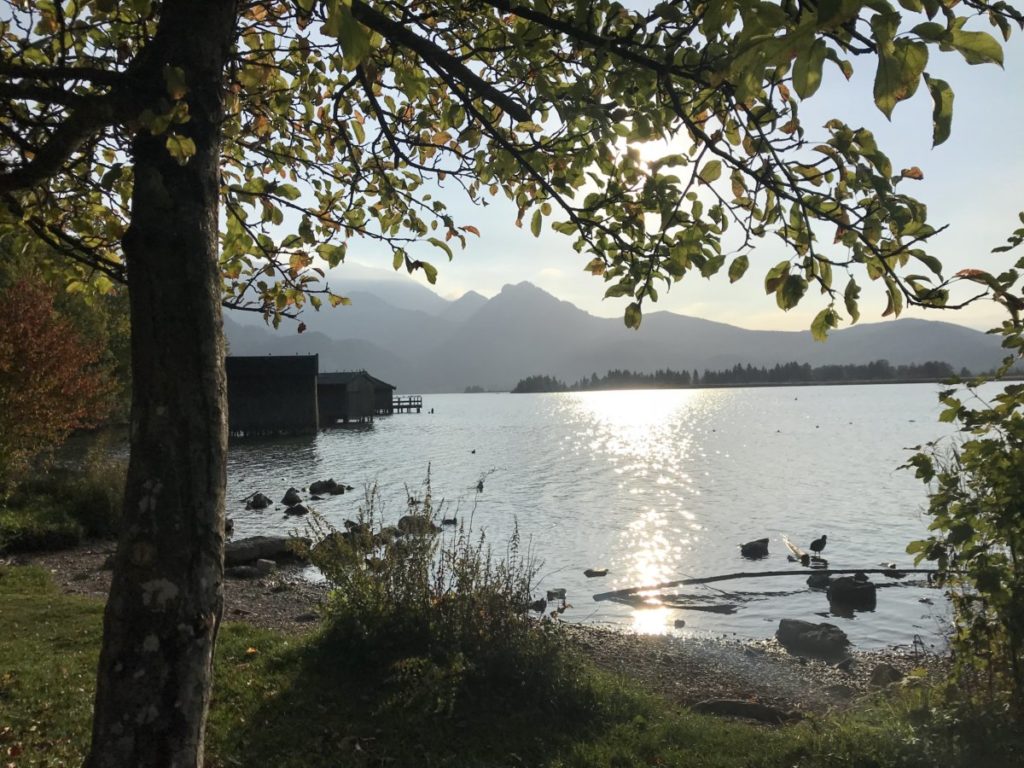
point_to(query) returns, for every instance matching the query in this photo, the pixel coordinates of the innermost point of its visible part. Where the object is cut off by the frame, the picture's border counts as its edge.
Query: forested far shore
(787, 374)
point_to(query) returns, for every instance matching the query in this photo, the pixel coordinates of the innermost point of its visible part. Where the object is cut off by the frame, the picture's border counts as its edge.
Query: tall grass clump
(59, 505)
(440, 614)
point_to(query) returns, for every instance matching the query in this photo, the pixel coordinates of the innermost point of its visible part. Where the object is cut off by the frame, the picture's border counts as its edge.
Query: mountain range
(406, 334)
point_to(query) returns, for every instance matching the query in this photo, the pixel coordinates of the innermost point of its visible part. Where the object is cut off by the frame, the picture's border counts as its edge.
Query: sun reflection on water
(652, 442)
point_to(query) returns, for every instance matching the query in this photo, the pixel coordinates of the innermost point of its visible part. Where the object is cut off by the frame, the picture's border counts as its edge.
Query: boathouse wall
(272, 395)
(345, 397)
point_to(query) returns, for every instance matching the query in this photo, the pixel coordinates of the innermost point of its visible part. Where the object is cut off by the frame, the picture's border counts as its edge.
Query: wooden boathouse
(275, 395)
(346, 397)
(272, 395)
(383, 396)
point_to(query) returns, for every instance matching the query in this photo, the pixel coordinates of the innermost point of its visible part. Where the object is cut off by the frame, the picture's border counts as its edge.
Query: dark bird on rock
(819, 544)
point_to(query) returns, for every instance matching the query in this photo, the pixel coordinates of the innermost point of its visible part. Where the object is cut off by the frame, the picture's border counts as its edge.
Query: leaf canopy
(354, 121)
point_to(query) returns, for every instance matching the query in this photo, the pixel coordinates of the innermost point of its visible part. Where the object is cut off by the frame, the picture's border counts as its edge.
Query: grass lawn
(285, 701)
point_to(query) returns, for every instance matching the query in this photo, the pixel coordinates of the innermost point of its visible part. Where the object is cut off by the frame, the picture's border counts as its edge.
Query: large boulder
(297, 509)
(277, 548)
(805, 638)
(851, 592)
(291, 497)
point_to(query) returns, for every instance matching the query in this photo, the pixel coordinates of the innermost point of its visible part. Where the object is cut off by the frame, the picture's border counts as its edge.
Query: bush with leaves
(976, 502)
(52, 380)
(445, 617)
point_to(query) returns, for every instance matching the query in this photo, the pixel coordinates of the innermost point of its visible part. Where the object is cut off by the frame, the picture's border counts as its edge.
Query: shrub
(446, 618)
(36, 527)
(55, 509)
(52, 379)
(95, 493)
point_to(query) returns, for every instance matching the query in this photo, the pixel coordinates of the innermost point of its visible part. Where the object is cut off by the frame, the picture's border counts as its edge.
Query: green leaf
(822, 322)
(738, 268)
(353, 36)
(174, 80)
(942, 109)
(633, 316)
(335, 300)
(617, 290)
(790, 292)
(442, 245)
(711, 171)
(807, 69)
(181, 148)
(899, 73)
(430, 271)
(977, 47)
(776, 276)
(930, 31)
(535, 222)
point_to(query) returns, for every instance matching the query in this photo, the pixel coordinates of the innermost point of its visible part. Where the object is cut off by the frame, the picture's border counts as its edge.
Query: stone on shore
(804, 638)
(297, 509)
(885, 674)
(276, 548)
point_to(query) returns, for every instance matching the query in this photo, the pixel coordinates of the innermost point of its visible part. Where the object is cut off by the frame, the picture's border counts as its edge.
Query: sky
(973, 182)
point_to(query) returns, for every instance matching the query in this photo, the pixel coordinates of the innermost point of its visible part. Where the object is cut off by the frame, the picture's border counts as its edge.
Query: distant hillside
(408, 335)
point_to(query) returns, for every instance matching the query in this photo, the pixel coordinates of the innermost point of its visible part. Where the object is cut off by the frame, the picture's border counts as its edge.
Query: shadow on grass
(312, 703)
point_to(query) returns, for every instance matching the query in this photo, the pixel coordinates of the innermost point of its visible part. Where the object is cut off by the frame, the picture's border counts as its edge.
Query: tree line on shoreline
(778, 375)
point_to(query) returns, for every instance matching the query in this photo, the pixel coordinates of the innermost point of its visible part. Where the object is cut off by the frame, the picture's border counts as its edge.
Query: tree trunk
(161, 620)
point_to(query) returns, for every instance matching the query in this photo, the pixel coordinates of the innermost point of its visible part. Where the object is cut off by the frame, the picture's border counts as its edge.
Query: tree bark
(162, 616)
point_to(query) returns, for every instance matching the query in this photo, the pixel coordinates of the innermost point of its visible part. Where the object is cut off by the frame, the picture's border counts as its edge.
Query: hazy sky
(973, 182)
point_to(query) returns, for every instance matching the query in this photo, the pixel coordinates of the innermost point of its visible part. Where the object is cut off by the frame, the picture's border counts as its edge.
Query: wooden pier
(407, 404)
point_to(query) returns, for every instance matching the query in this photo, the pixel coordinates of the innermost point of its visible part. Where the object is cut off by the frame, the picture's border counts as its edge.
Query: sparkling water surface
(654, 485)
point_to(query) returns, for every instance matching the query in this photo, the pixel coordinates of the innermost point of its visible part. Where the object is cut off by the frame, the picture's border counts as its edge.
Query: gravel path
(684, 670)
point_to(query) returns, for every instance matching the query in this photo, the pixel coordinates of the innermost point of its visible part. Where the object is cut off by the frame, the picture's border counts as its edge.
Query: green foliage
(778, 375)
(447, 619)
(293, 702)
(976, 502)
(539, 383)
(355, 133)
(57, 508)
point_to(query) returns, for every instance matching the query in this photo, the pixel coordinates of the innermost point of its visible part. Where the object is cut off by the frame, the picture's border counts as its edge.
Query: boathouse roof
(263, 365)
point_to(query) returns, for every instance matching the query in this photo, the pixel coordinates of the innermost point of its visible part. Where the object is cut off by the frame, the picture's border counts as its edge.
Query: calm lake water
(654, 486)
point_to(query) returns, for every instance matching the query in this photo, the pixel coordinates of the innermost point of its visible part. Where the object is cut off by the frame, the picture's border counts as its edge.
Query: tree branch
(92, 115)
(438, 58)
(49, 74)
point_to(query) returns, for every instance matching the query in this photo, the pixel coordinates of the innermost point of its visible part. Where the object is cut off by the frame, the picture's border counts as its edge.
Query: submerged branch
(623, 593)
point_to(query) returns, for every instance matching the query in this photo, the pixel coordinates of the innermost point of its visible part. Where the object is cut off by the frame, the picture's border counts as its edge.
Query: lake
(653, 485)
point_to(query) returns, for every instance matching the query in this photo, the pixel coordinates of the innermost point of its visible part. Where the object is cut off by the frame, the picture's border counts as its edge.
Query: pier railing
(407, 403)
